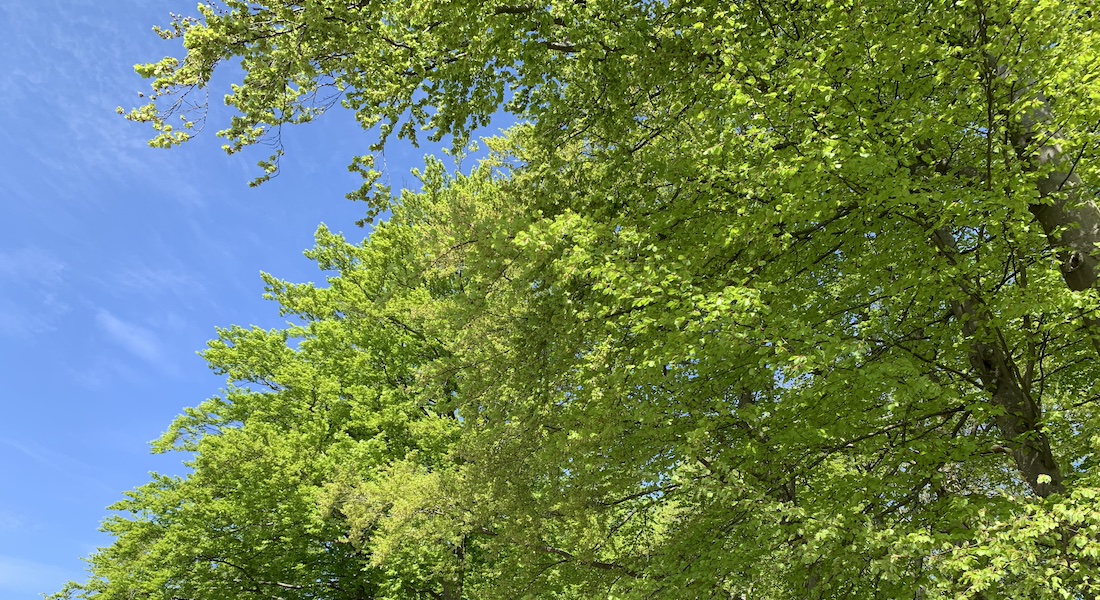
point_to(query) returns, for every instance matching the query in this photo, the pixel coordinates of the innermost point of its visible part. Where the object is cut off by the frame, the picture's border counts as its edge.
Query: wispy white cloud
(102, 372)
(10, 521)
(154, 281)
(41, 456)
(28, 578)
(58, 462)
(29, 301)
(30, 266)
(48, 46)
(136, 339)
(20, 323)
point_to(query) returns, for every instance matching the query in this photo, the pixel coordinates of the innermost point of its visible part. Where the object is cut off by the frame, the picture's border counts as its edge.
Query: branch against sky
(767, 300)
(94, 222)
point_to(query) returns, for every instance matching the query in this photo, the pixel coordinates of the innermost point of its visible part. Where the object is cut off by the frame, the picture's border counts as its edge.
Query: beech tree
(762, 300)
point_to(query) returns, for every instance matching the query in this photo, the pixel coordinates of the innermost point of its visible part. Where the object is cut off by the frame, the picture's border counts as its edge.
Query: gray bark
(1069, 216)
(1070, 219)
(1021, 419)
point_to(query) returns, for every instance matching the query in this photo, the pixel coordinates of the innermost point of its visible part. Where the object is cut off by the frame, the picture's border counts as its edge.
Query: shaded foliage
(768, 300)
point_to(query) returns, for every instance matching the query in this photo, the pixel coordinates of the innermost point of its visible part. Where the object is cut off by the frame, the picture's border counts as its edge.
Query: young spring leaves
(770, 300)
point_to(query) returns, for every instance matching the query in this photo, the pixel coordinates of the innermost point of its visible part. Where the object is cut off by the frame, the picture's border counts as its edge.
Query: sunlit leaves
(767, 300)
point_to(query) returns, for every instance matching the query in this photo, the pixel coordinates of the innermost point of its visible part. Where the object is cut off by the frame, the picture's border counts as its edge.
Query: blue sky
(116, 263)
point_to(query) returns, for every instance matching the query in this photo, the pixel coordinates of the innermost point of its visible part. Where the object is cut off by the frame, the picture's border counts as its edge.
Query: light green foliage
(767, 300)
(318, 419)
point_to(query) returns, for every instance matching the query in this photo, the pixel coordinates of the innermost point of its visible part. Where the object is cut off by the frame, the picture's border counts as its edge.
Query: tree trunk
(1021, 420)
(1071, 220)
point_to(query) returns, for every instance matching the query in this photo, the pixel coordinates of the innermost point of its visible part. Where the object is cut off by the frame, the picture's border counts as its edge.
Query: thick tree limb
(1069, 216)
(1021, 418)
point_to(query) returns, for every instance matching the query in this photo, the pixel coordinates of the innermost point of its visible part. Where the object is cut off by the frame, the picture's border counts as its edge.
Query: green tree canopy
(765, 300)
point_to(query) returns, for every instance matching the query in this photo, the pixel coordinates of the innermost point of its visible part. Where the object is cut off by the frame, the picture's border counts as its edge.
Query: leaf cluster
(768, 300)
